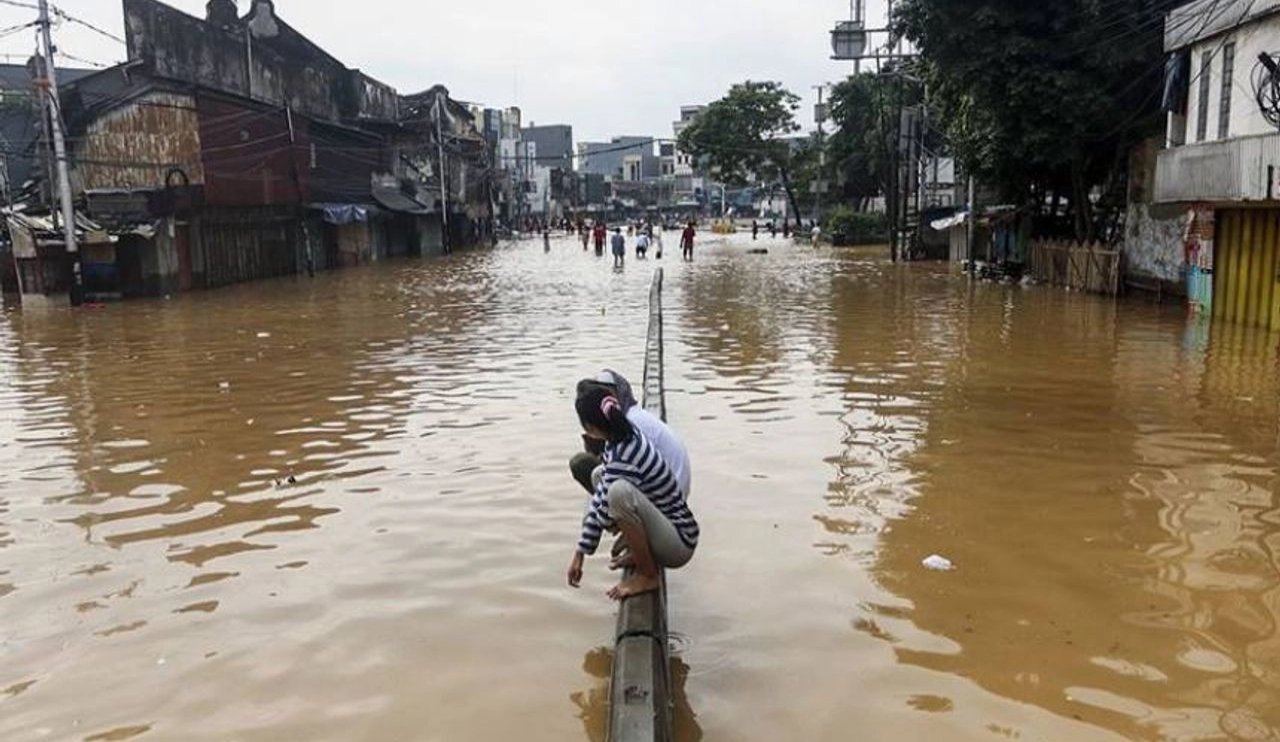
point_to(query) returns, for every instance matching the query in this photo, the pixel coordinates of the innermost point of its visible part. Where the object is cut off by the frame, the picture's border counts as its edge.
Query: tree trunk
(791, 197)
(1081, 208)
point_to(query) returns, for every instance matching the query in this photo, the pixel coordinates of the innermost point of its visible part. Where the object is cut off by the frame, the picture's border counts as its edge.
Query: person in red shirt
(600, 233)
(686, 241)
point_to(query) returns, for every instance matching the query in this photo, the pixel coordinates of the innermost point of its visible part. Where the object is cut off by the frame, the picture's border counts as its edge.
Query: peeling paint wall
(137, 145)
(1155, 234)
(1154, 244)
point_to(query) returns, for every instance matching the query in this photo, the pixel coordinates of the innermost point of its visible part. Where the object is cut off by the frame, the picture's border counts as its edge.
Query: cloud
(606, 67)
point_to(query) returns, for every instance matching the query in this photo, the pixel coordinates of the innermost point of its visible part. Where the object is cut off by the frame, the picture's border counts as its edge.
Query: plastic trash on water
(938, 564)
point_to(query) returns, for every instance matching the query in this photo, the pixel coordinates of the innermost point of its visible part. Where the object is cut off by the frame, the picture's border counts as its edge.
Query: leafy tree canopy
(744, 135)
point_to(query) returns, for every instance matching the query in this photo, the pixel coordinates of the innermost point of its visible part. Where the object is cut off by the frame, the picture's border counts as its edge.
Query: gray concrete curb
(640, 708)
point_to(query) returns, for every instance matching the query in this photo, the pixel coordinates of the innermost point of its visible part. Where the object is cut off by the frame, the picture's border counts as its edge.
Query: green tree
(745, 135)
(1042, 99)
(864, 108)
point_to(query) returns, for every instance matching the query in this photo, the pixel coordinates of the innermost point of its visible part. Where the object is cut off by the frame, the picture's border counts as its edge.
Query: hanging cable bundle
(1266, 88)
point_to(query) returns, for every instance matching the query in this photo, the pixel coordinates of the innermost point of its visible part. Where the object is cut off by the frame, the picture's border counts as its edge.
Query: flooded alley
(339, 509)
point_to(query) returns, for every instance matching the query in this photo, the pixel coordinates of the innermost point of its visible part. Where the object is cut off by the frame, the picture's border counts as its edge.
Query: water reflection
(593, 703)
(1146, 601)
(186, 481)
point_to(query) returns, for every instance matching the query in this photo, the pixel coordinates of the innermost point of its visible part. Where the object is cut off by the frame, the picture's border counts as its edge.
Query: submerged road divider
(640, 708)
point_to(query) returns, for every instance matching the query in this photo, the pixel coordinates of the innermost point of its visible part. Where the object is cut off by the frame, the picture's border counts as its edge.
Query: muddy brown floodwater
(339, 509)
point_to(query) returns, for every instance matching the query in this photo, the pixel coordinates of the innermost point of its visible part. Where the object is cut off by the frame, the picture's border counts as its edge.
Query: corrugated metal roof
(1204, 19)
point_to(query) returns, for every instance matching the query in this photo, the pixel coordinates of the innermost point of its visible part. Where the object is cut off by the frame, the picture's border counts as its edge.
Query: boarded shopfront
(1246, 267)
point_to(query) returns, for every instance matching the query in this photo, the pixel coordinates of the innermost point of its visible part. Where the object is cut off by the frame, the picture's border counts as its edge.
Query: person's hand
(575, 570)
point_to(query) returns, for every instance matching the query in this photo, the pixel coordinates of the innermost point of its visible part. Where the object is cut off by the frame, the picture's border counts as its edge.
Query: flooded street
(340, 509)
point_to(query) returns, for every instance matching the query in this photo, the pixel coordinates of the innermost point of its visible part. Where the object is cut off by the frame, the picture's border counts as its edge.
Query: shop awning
(958, 220)
(393, 199)
(341, 214)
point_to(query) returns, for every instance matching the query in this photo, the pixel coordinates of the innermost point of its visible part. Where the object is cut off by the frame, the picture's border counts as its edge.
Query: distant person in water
(642, 245)
(636, 494)
(686, 241)
(586, 236)
(755, 229)
(600, 232)
(619, 245)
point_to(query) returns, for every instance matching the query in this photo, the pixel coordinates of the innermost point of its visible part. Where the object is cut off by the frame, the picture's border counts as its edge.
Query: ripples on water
(338, 509)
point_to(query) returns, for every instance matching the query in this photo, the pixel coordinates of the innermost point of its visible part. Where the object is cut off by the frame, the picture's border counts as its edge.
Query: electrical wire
(59, 12)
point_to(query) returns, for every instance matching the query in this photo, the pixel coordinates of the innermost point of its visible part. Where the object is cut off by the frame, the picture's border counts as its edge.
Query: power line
(67, 16)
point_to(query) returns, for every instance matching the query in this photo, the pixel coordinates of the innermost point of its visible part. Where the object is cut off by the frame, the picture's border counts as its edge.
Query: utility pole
(821, 184)
(444, 182)
(60, 154)
(972, 225)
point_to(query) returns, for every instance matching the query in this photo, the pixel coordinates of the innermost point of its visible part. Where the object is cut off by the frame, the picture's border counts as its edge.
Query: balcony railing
(1240, 169)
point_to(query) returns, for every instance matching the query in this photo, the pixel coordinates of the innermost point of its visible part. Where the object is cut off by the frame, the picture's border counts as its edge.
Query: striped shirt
(635, 460)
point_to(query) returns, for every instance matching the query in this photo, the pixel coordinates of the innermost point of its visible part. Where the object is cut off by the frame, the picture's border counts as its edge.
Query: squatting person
(636, 495)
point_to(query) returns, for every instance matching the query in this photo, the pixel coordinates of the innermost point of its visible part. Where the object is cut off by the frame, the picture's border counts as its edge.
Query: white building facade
(1205, 207)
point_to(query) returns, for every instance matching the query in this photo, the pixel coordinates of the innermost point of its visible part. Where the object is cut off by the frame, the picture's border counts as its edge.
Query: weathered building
(230, 149)
(1204, 214)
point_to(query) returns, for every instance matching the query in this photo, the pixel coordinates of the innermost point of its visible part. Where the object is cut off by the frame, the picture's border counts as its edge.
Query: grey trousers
(627, 504)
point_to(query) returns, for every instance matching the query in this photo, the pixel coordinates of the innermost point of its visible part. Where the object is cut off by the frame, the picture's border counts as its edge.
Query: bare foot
(622, 560)
(638, 585)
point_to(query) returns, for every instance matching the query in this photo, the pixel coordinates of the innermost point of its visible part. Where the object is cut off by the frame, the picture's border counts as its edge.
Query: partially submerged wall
(640, 708)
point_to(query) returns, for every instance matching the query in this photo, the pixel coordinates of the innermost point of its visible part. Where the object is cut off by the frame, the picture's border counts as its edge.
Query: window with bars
(1202, 110)
(1228, 73)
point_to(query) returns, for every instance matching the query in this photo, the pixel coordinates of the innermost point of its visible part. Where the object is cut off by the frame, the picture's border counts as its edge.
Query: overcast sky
(607, 67)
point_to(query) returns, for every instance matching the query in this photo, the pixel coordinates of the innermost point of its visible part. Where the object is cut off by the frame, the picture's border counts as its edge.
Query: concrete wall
(609, 158)
(554, 145)
(1155, 234)
(1154, 246)
(260, 58)
(1245, 118)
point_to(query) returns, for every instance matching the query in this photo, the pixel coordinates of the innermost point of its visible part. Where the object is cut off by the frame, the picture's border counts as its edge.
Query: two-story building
(1205, 207)
(232, 148)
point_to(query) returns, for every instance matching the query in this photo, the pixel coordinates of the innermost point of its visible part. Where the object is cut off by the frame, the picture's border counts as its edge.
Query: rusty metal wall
(136, 145)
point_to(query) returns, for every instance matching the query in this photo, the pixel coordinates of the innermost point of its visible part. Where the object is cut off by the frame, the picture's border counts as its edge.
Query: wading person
(619, 248)
(600, 232)
(755, 229)
(686, 241)
(586, 236)
(642, 246)
(637, 495)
